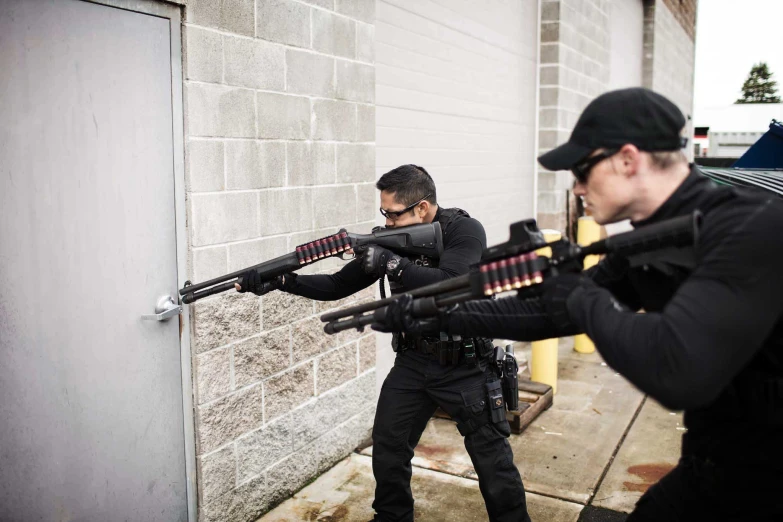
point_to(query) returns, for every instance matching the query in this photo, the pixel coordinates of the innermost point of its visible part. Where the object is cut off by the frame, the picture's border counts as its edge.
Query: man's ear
(422, 208)
(630, 156)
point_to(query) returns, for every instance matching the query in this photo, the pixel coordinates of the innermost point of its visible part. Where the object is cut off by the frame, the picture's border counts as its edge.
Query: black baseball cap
(637, 116)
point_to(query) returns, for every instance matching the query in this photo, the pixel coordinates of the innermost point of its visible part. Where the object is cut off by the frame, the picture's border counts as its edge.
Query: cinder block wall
(669, 50)
(574, 69)
(280, 132)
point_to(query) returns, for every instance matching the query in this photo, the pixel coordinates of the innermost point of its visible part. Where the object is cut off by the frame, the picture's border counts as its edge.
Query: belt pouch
(469, 347)
(456, 346)
(444, 357)
(496, 404)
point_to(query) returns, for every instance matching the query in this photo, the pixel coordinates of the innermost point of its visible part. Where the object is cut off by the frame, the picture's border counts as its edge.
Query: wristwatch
(392, 264)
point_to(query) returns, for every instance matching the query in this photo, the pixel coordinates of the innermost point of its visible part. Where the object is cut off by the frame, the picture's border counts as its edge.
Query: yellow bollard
(588, 231)
(543, 364)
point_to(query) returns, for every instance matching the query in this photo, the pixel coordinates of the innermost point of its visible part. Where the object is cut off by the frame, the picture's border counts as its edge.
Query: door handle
(165, 309)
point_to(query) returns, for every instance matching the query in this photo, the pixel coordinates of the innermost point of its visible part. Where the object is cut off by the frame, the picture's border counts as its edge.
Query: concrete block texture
(333, 34)
(254, 63)
(281, 309)
(282, 116)
(341, 441)
(366, 353)
(254, 164)
(336, 206)
(575, 62)
(205, 165)
(288, 210)
(327, 4)
(367, 202)
(217, 218)
(261, 448)
(227, 418)
(286, 391)
(309, 73)
(291, 474)
(283, 21)
(309, 339)
(203, 55)
(246, 502)
(355, 162)
(217, 473)
(365, 123)
(209, 263)
(310, 163)
(249, 253)
(233, 16)
(262, 356)
(334, 120)
(224, 319)
(335, 368)
(365, 42)
(213, 374)
(220, 111)
(331, 409)
(363, 10)
(355, 81)
(280, 125)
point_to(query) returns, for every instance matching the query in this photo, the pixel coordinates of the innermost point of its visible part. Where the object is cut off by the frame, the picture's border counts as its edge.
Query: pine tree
(759, 87)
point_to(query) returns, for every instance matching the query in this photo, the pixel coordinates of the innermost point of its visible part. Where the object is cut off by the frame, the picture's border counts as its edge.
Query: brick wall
(280, 131)
(575, 58)
(684, 12)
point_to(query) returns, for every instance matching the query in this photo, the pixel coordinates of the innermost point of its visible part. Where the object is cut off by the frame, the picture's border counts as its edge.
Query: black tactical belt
(452, 350)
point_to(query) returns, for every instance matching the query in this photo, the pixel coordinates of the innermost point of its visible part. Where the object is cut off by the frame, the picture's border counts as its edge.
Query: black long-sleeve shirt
(464, 241)
(704, 334)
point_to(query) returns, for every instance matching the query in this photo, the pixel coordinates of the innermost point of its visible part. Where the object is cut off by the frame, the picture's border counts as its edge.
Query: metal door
(91, 395)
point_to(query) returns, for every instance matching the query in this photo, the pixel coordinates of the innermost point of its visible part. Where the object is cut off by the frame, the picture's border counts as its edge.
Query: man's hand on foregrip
(397, 316)
(252, 282)
(555, 292)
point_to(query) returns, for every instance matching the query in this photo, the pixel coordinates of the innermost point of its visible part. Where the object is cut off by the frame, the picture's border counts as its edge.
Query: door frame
(163, 9)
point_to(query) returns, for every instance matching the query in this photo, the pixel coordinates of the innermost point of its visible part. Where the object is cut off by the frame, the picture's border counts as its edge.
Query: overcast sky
(732, 35)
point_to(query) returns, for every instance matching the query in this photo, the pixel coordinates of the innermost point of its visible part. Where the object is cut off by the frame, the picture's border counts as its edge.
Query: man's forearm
(507, 318)
(330, 287)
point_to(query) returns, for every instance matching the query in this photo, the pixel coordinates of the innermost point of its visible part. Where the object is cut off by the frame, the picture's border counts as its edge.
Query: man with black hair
(429, 371)
(711, 340)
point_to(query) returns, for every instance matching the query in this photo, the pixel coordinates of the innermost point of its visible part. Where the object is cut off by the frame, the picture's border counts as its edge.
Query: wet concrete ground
(601, 444)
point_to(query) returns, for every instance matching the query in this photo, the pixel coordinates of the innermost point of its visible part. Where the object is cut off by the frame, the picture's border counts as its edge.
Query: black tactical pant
(415, 387)
(699, 489)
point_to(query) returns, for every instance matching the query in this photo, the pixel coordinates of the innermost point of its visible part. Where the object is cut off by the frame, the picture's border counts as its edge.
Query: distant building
(727, 132)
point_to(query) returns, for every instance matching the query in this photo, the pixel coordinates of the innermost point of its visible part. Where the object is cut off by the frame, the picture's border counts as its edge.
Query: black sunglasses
(394, 214)
(582, 169)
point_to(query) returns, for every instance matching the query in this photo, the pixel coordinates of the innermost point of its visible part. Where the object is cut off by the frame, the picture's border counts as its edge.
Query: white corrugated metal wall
(456, 94)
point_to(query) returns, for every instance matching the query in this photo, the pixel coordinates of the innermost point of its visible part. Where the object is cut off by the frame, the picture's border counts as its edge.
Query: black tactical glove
(555, 293)
(380, 261)
(397, 316)
(251, 282)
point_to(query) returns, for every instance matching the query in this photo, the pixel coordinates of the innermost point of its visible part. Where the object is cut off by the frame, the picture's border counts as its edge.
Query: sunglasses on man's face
(582, 169)
(395, 214)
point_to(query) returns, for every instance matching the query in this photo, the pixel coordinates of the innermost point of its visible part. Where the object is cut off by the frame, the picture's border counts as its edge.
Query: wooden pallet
(534, 399)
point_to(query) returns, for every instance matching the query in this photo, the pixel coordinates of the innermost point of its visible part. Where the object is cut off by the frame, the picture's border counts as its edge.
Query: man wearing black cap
(711, 340)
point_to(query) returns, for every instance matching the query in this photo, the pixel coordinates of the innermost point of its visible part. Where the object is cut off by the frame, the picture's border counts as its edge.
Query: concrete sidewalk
(601, 444)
